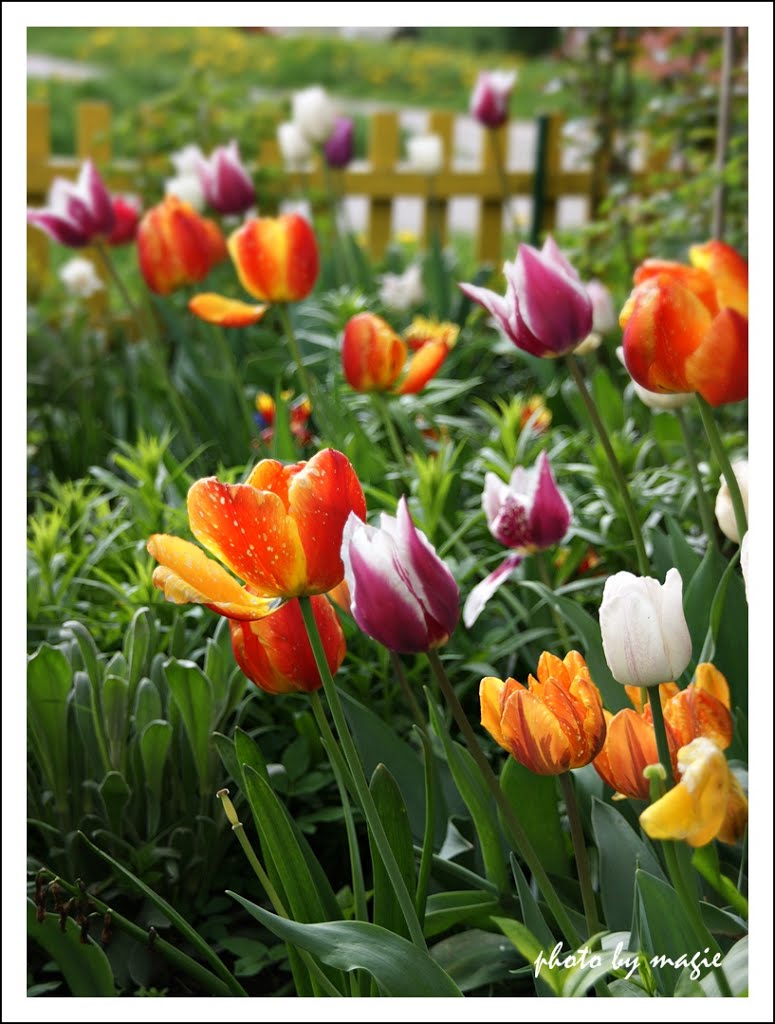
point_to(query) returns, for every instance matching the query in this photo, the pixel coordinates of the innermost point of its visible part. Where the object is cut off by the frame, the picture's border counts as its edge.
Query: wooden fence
(381, 183)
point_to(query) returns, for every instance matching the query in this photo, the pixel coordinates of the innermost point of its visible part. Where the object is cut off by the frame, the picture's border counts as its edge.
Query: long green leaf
(446, 910)
(531, 949)
(84, 966)
(663, 929)
(534, 798)
(398, 967)
(49, 678)
(193, 694)
(392, 811)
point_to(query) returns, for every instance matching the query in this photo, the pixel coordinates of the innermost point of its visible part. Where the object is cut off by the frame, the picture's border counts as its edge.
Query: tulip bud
(490, 98)
(227, 186)
(338, 149)
(313, 113)
(425, 153)
(645, 637)
(276, 257)
(725, 513)
(295, 148)
(79, 213)
(402, 594)
(176, 247)
(187, 188)
(372, 353)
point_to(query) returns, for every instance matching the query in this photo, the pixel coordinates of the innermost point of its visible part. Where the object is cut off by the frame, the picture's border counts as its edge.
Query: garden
(387, 586)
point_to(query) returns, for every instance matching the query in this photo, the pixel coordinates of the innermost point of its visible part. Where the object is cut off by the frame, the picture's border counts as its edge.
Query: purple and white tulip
(401, 593)
(226, 184)
(490, 98)
(338, 149)
(546, 310)
(529, 513)
(79, 213)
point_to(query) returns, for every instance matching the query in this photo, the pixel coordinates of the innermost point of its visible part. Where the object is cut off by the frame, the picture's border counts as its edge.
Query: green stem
(359, 779)
(500, 166)
(380, 404)
(239, 830)
(580, 851)
(717, 446)
(616, 469)
(426, 857)
(134, 311)
(293, 344)
(706, 513)
(518, 834)
(543, 571)
(663, 748)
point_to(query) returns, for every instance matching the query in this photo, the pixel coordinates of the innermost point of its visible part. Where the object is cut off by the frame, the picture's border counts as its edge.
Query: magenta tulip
(401, 593)
(490, 98)
(546, 310)
(227, 186)
(79, 213)
(529, 513)
(338, 150)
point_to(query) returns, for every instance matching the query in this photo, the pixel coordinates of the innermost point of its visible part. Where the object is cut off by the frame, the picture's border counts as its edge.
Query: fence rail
(381, 183)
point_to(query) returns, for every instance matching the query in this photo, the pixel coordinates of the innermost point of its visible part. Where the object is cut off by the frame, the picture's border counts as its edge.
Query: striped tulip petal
(217, 309)
(424, 364)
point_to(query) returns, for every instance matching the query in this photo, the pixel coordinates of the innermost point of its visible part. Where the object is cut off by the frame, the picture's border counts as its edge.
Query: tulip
(425, 153)
(744, 562)
(702, 709)
(338, 149)
(490, 98)
(126, 210)
(295, 149)
(630, 747)
(603, 317)
(80, 278)
(187, 160)
(187, 188)
(686, 328)
(529, 513)
(546, 311)
(275, 652)
(313, 113)
(226, 184)
(373, 356)
(77, 214)
(645, 637)
(280, 531)
(400, 292)
(725, 513)
(555, 723)
(176, 246)
(401, 593)
(707, 803)
(300, 412)
(653, 399)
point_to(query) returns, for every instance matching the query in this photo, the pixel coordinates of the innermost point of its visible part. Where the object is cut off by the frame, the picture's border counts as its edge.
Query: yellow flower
(707, 803)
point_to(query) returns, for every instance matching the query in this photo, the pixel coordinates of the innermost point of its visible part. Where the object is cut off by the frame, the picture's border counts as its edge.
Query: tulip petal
(534, 735)
(276, 257)
(736, 817)
(553, 305)
(728, 271)
(217, 309)
(630, 745)
(60, 228)
(251, 533)
(696, 279)
(718, 367)
(424, 364)
(188, 576)
(483, 591)
(491, 701)
(372, 353)
(550, 514)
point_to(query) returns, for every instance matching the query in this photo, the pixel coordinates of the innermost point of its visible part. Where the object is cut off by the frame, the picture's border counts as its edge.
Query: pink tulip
(491, 95)
(546, 310)
(529, 514)
(227, 186)
(78, 213)
(402, 594)
(338, 150)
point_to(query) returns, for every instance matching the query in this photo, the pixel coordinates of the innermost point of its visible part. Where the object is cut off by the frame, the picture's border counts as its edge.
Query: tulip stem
(580, 852)
(703, 505)
(134, 311)
(500, 166)
(390, 430)
(365, 798)
(602, 433)
(518, 834)
(717, 446)
(304, 378)
(663, 748)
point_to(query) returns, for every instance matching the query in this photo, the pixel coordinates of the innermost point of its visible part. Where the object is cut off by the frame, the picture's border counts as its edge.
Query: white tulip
(725, 513)
(188, 188)
(744, 562)
(80, 278)
(313, 113)
(188, 160)
(655, 399)
(645, 637)
(400, 292)
(425, 153)
(295, 148)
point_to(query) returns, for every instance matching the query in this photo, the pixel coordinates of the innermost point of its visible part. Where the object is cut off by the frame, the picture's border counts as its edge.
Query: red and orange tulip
(555, 723)
(686, 328)
(281, 532)
(275, 652)
(630, 746)
(373, 355)
(176, 246)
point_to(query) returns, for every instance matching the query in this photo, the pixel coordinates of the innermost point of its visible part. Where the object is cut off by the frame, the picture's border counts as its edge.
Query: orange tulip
(630, 746)
(373, 355)
(555, 723)
(281, 532)
(176, 247)
(276, 257)
(702, 709)
(275, 652)
(686, 328)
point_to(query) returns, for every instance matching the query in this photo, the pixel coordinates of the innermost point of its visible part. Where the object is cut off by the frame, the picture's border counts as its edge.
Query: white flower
(187, 160)
(589, 344)
(744, 562)
(402, 291)
(725, 513)
(188, 188)
(603, 314)
(425, 153)
(655, 399)
(296, 150)
(645, 637)
(80, 278)
(313, 113)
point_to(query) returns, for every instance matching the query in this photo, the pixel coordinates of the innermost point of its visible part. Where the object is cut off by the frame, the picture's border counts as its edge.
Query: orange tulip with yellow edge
(374, 356)
(555, 723)
(707, 803)
(686, 327)
(177, 247)
(280, 532)
(630, 746)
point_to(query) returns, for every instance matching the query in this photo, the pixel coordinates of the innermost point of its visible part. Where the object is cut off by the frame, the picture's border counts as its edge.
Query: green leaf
(621, 852)
(534, 920)
(84, 966)
(705, 860)
(685, 558)
(92, 742)
(138, 642)
(115, 795)
(446, 910)
(249, 753)
(88, 650)
(225, 748)
(193, 695)
(529, 947)
(154, 747)
(477, 799)
(608, 399)
(664, 931)
(699, 593)
(115, 710)
(392, 812)
(534, 797)
(728, 623)
(398, 967)
(147, 705)
(49, 678)
(735, 965)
